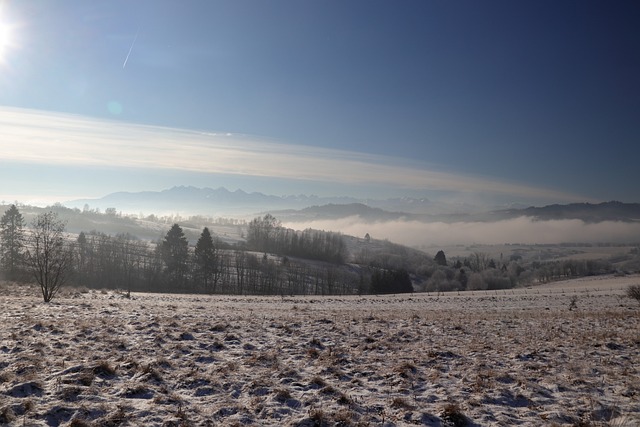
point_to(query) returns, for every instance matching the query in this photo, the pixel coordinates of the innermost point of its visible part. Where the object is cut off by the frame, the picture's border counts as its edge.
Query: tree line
(46, 254)
(266, 234)
(273, 260)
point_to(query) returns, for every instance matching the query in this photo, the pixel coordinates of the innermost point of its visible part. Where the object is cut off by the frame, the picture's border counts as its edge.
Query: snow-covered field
(563, 354)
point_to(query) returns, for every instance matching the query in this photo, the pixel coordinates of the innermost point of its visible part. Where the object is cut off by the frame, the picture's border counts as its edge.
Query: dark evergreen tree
(175, 254)
(206, 261)
(440, 258)
(462, 278)
(12, 239)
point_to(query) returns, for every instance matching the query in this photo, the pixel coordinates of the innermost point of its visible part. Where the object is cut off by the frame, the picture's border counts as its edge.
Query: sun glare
(6, 36)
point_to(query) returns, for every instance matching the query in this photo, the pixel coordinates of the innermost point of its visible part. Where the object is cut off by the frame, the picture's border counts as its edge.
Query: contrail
(130, 49)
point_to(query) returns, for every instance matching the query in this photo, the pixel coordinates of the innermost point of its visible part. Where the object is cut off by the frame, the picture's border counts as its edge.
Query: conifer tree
(175, 254)
(440, 258)
(12, 238)
(206, 261)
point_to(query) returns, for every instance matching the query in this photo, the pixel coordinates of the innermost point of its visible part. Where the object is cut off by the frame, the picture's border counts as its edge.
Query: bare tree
(48, 256)
(260, 233)
(240, 262)
(479, 261)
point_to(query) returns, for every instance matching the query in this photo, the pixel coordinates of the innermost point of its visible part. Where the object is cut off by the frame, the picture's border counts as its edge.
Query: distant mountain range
(222, 202)
(587, 212)
(590, 213)
(199, 201)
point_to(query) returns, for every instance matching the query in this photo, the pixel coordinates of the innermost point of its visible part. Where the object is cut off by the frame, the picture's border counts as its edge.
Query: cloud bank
(36, 137)
(519, 230)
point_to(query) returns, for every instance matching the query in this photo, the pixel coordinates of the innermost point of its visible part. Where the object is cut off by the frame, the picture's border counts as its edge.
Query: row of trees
(94, 259)
(390, 282)
(266, 234)
(480, 272)
(171, 265)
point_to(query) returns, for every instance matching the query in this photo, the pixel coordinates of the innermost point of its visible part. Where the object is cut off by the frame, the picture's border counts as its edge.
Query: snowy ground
(522, 357)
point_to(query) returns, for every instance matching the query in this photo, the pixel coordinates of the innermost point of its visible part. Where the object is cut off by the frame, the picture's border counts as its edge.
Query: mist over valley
(417, 222)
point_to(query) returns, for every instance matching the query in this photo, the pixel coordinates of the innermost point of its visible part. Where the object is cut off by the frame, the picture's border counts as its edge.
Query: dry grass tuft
(406, 369)
(313, 353)
(401, 403)
(318, 416)
(151, 373)
(344, 399)
(329, 390)
(104, 369)
(265, 358)
(79, 422)
(86, 377)
(115, 418)
(453, 416)
(70, 394)
(6, 415)
(317, 382)
(282, 394)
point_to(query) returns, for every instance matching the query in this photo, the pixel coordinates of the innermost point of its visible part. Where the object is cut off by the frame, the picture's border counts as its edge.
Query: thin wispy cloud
(29, 136)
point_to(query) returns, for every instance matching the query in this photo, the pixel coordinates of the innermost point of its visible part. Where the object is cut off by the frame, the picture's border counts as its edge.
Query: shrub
(633, 291)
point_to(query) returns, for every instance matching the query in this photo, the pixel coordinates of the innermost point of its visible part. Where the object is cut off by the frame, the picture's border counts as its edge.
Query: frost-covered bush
(633, 291)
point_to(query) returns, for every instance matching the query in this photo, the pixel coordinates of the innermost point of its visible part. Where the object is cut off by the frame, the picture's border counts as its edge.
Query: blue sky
(530, 101)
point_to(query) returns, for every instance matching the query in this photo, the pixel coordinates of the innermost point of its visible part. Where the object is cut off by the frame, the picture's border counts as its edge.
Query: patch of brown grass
(452, 415)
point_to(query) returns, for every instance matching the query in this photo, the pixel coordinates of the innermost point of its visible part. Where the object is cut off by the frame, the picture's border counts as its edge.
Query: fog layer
(518, 230)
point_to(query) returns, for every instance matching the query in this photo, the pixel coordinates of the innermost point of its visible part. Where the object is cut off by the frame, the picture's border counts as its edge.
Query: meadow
(566, 353)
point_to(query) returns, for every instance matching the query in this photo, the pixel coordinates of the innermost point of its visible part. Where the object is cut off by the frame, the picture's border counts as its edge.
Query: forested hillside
(205, 255)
